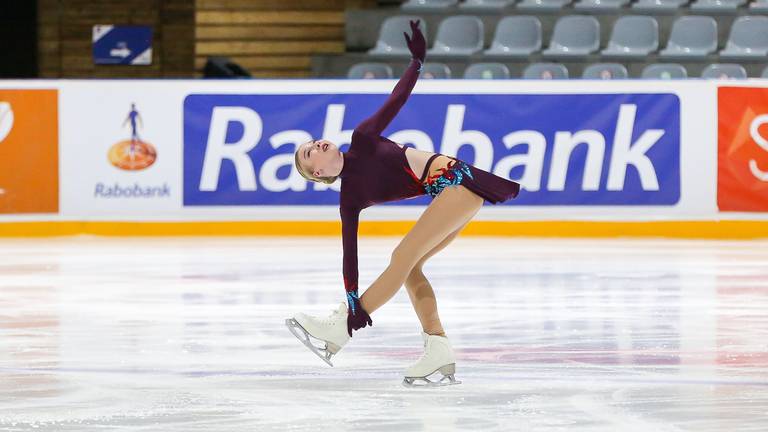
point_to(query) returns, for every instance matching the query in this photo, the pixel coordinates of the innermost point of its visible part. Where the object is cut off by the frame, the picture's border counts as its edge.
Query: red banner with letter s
(742, 173)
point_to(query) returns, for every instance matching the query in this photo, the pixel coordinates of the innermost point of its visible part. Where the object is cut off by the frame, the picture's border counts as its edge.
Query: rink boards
(675, 158)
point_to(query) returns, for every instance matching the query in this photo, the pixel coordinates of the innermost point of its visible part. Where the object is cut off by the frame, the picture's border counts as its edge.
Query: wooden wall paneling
(270, 5)
(48, 29)
(270, 38)
(116, 73)
(178, 38)
(360, 4)
(276, 74)
(66, 28)
(289, 17)
(282, 62)
(268, 47)
(270, 32)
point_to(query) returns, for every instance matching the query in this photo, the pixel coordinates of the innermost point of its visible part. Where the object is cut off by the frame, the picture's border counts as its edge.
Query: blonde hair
(308, 174)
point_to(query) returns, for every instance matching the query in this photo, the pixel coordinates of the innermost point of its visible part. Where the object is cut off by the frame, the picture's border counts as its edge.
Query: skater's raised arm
(357, 317)
(379, 121)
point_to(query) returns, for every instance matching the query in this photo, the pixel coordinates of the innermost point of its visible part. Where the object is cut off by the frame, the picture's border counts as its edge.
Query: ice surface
(551, 335)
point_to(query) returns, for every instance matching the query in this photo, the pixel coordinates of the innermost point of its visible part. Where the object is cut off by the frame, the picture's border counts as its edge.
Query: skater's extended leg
(420, 290)
(452, 209)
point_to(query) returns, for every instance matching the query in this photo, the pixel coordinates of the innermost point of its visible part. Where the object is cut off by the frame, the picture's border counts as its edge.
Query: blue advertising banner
(126, 45)
(574, 149)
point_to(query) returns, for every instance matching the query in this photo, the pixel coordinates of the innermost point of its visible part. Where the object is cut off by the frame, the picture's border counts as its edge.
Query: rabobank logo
(134, 153)
(575, 149)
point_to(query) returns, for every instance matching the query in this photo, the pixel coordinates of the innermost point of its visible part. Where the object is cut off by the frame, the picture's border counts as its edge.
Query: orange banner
(29, 151)
(742, 173)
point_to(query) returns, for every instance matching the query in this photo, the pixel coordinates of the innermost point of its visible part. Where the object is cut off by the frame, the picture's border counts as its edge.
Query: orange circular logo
(132, 155)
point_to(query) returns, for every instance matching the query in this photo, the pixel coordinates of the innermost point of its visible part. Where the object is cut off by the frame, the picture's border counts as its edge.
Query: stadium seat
(719, 6)
(748, 38)
(391, 41)
(433, 5)
(759, 6)
(664, 71)
(545, 71)
(486, 71)
(460, 35)
(435, 71)
(517, 35)
(658, 6)
(592, 5)
(765, 73)
(724, 71)
(370, 70)
(633, 36)
(484, 5)
(574, 35)
(542, 5)
(691, 37)
(605, 71)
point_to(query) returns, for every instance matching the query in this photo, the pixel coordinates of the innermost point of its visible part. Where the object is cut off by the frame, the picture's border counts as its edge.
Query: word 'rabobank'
(583, 149)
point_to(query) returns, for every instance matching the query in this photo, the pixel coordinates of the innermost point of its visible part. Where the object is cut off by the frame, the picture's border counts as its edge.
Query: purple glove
(416, 42)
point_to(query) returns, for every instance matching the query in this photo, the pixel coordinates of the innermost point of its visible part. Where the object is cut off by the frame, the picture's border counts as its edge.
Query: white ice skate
(331, 332)
(438, 357)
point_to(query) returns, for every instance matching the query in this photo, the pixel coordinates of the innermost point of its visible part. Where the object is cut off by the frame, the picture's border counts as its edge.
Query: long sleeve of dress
(349, 222)
(379, 120)
(356, 317)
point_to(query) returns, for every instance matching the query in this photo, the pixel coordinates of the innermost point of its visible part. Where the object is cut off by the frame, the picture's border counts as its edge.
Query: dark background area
(18, 39)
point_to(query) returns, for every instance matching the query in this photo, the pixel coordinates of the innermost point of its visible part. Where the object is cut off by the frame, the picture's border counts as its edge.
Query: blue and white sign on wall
(564, 149)
(122, 45)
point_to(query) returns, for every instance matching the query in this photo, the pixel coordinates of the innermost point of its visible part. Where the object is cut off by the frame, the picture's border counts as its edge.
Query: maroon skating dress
(376, 171)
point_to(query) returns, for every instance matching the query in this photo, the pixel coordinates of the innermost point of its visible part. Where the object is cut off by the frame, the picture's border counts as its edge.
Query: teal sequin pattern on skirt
(450, 176)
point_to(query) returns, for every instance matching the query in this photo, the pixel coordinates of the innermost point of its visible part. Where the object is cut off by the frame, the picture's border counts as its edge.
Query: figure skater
(377, 170)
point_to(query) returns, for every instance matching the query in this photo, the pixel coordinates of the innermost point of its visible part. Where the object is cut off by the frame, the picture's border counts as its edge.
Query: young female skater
(377, 170)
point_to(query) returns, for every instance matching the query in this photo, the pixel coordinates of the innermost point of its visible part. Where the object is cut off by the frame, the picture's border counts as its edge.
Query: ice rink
(187, 334)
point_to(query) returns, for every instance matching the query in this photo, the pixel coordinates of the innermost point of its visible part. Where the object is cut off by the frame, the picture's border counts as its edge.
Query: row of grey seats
(579, 35)
(644, 5)
(555, 71)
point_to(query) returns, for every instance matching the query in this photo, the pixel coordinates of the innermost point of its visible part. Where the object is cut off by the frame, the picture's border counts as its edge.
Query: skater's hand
(416, 43)
(358, 320)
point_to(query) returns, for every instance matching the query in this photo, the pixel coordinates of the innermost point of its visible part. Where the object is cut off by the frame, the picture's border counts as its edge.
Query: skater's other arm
(379, 121)
(349, 220)
(357, 317)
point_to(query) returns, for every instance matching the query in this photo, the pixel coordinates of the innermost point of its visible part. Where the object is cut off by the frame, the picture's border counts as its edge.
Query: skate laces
(336, 314)
(425, 354)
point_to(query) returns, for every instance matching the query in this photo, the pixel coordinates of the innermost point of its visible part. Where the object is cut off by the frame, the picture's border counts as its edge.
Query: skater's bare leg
(421, 293)
(449, 211)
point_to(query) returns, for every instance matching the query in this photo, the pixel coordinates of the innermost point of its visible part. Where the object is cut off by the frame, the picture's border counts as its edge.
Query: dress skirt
(490, 187)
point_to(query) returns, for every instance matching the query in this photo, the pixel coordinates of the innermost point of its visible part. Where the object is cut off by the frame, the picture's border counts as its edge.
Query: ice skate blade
(420, 382)
(446, 371)
(304, 337)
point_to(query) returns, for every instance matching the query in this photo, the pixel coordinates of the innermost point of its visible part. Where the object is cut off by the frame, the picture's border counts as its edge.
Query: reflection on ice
(188, 334)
